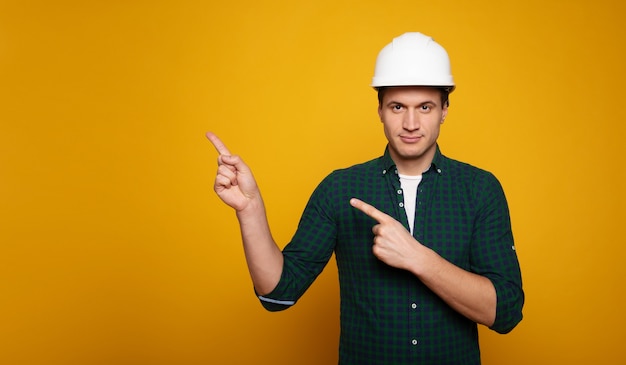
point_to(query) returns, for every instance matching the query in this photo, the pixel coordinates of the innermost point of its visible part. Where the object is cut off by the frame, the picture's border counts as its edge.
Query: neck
(412, 170)
(413, 166)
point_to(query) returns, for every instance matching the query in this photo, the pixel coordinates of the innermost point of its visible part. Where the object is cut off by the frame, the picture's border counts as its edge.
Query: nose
(411, 120)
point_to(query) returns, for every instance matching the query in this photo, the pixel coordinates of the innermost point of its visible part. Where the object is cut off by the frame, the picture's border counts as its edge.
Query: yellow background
(115, 250)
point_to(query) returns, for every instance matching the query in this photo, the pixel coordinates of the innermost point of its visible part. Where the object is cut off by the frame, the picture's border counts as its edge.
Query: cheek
(387, 128)
(435, 130)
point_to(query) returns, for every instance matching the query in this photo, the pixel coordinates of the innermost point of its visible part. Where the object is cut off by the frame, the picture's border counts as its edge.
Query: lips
(410, 139)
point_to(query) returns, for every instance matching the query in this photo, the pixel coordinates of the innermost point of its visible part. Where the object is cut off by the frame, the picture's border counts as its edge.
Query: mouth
(410, 139)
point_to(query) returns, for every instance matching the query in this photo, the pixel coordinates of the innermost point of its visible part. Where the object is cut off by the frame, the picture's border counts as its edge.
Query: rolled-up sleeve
(493, 252)
(308, 252)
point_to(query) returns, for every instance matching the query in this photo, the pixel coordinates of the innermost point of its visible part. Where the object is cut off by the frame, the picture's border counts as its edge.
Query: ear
(444, 114)
(380, 113)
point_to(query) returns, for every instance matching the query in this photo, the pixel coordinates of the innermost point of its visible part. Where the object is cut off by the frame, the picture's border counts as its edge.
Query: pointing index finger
(218, 144)
(369, 210)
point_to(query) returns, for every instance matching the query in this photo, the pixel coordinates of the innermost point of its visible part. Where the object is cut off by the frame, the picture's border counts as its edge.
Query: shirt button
(399, 191)
(414, 342)
(401, 205)
(384, 172)
(413, 305)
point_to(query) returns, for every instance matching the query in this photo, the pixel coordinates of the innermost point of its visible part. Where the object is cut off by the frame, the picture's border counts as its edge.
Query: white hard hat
(413, 59)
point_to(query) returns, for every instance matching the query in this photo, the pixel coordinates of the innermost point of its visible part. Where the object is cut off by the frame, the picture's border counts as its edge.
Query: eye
(396, 107)
(425, 107)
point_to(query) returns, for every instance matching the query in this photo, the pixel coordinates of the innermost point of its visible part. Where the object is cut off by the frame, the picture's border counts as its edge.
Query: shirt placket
(398, 196)
(416, 303)
(412, 306)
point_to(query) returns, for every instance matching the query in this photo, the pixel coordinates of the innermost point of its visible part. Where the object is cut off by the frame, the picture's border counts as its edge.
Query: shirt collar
(388, 165)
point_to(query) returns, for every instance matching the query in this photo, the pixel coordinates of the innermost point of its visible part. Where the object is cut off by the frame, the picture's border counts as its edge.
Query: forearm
(264, 258)
(472, 295)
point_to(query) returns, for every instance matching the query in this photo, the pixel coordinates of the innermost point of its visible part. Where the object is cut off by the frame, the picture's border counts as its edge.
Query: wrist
(253, 208)
(423, 261)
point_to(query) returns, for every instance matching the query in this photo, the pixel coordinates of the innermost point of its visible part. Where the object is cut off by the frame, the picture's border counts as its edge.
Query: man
(423, 243)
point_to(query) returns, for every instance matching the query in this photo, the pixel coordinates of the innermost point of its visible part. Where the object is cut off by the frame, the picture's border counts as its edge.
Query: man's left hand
(393, 244)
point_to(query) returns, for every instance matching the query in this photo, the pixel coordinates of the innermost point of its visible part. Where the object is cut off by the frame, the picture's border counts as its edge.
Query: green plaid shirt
(387, 315)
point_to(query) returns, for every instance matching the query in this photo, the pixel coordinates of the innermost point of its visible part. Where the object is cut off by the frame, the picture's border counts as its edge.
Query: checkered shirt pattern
(387, 315)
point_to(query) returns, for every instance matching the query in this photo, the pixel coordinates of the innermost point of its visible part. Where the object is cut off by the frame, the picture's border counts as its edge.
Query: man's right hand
(234, 183)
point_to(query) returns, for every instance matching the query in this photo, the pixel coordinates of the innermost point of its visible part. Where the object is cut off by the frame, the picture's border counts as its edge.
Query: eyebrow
(394, 102)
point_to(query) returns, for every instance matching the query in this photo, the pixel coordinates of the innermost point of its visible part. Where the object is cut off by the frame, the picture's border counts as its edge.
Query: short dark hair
(445, 95)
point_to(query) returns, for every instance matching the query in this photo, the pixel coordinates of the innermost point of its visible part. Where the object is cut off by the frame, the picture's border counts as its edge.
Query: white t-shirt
(409, 186)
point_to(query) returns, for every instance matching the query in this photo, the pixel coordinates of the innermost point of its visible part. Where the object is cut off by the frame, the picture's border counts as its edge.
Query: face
(412, 117)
